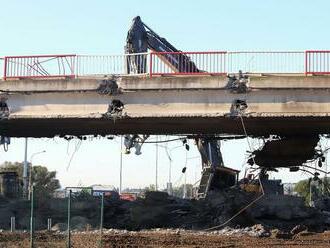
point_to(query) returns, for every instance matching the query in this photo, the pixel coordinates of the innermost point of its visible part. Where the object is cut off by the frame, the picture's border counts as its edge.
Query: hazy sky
(100, 27)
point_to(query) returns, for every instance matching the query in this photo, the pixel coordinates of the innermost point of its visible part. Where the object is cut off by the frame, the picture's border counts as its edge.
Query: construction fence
(61, 216)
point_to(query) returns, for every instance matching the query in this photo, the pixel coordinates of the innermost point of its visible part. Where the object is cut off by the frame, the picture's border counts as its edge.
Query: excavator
(140, 39)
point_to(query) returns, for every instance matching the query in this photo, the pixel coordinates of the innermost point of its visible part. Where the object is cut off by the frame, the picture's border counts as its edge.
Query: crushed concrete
(159, 211)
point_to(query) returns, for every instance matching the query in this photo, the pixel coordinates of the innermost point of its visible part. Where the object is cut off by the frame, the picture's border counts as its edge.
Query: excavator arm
(140, 38)
(209, 150)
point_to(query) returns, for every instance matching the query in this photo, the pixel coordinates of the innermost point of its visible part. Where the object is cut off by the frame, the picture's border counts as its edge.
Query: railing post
(49, 224)
(150, 65)
(5, 69)
(75, 66)
(306, 63)
(12, 224)
(225, 62)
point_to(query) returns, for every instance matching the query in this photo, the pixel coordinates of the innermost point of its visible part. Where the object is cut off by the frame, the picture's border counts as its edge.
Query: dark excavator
(140, 39)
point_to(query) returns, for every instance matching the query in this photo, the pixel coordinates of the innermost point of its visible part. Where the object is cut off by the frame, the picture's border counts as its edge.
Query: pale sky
(100, 27)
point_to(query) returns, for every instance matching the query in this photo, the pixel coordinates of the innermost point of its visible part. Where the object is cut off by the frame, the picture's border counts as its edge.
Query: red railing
(39, 66)
(317, 62)
(168, 63)
(266, 62)
(258, 62)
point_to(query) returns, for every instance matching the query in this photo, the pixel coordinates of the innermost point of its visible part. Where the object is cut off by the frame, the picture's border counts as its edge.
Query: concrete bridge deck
(276, 104)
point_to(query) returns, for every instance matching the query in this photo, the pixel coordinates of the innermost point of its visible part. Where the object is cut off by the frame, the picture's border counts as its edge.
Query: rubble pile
(159, 210)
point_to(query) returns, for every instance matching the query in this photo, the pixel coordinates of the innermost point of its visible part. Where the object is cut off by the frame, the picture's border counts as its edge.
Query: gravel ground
(169, 238)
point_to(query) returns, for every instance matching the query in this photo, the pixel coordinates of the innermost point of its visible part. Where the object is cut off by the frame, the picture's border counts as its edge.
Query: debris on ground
(161, 238)
(159, 210)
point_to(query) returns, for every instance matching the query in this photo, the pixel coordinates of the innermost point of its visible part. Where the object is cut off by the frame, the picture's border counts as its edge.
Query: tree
(303, 188)
(151, 187)
(45, 181)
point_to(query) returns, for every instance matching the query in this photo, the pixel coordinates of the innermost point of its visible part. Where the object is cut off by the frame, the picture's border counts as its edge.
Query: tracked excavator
(140, 39)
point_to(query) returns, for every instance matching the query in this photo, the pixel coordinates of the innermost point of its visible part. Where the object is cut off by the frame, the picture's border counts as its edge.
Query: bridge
(275, 93)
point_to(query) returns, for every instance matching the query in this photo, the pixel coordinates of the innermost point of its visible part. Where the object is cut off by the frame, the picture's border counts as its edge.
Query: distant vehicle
(128, 196)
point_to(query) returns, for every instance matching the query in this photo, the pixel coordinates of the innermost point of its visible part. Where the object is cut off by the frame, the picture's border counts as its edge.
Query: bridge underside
(262, 126)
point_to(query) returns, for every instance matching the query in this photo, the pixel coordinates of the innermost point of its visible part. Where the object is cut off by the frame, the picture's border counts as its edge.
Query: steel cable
(251, 203)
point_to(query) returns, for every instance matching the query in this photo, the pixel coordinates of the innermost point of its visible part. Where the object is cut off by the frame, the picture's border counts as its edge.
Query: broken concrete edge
(128, 115)
(161, 83)
(4, 110)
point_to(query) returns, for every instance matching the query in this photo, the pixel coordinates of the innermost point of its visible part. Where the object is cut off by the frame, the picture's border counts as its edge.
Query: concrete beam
(166, 105)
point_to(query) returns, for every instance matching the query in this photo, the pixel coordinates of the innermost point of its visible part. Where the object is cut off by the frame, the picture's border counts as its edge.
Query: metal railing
(88, 65)
(164, 63)
(317, 62)
(39, 66)
(266, 62)
(2, 66)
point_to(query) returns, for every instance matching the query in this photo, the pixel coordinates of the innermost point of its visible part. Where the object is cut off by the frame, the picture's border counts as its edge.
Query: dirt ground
(163, 239)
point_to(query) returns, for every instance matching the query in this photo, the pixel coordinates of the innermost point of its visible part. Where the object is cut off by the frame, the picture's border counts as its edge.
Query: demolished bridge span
(289, 151)
(280, 105)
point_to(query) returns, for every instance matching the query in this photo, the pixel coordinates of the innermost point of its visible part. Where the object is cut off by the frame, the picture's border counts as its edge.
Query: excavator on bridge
(140, 38)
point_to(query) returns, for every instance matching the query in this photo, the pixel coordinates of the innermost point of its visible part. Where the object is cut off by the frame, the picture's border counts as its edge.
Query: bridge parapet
(310, 62)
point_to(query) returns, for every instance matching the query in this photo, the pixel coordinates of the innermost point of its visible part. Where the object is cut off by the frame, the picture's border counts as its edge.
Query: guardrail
(167, 63)
(317, 62)
(279, 62)
(88, 65)
(39, 66)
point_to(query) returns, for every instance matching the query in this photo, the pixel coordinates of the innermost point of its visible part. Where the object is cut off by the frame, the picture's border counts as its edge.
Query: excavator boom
(140, 39)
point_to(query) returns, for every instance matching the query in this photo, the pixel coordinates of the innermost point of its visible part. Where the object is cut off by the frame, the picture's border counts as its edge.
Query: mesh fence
(53, 219)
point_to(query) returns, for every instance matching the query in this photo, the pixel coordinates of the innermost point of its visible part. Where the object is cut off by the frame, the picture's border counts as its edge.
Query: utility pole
(185, 186)
(32, 218)
(68, 240)
(101, 220)
(170, 178)
(170, 172)
(169, 155)
(156, 163)
(25, 172)
(30, 172)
